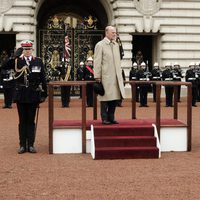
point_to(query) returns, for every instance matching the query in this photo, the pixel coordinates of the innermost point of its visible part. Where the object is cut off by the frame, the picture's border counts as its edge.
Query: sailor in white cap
(89, 76)
(80, 75)
(142, 75)
(197, 70)
(167, 75)
(191, 77)
(133, 77)
(177, 76)
(156, 76)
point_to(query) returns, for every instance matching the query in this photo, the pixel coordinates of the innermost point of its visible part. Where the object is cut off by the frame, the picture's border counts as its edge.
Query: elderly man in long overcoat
(107, 69)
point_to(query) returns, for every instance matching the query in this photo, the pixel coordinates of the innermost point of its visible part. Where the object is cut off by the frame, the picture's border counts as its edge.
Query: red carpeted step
(123, 130)
(126, 152)
(126, 141)
(123, 142)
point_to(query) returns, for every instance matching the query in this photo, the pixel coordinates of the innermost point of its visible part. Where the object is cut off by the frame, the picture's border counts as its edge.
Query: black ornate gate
(61, 44)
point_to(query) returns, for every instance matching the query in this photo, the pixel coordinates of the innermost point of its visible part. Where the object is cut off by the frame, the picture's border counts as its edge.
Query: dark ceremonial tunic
(167, 75)
(8, 82)
(191, 77)
(156, 76)
(30, 89)
(89, 76)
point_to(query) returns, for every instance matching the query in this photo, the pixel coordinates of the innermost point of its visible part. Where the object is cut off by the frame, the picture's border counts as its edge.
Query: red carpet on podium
(125, 141)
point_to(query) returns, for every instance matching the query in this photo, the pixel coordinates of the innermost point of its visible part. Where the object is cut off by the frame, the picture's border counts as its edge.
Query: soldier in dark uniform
(177, 76)
(8, 83)
(167, 75)
(133, 77)
(31, 89)
(197, 70)
(121, 51)
(143, 75)
(156, 76)
(3, 60)
(80, 75)
(65, 75)
(119, 102)
(89, 76)
(191, 76)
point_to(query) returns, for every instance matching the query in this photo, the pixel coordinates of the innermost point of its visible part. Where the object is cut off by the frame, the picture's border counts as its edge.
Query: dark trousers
(194, 95)
(169, 95)
(154, 92)
(137, 93)
(143, 95)
(65, 95)
(179, 93)
(108, 110)
(26, 112)
(198, 92)
(89, 93)
(8, 96)
(80, 92)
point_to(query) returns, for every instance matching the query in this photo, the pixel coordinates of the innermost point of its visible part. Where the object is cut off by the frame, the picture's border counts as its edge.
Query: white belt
(191, 79)
(133, 78)
(8, 79)
(168, 79)
(156, 77)
(177, 77)
(143, 79)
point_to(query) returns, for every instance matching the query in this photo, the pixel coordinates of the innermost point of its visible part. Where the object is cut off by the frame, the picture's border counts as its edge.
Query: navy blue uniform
(133, 77)
(80, 77)
(143, 88)
(89, 76)
(177, 75)
(65, 74)
(191, 77)
(8, 82)
(156, 76)
(167, 75)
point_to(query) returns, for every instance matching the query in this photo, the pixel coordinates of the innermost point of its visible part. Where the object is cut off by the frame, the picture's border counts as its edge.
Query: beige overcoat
(107, 67)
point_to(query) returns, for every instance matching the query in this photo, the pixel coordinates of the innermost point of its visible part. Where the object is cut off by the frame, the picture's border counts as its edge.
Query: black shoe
(21, 150)
(5, 106)
(194, 105)
(114, 122)
(9, 107)
(32, 150)
(146, 106)
(105, 122)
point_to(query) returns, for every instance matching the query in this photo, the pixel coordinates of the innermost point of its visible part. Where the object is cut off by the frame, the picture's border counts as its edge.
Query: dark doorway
(144, 44)
(8, 42)
(67, 33)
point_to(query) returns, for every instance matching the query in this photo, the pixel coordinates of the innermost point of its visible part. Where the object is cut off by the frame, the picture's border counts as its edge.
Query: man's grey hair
(108, 28)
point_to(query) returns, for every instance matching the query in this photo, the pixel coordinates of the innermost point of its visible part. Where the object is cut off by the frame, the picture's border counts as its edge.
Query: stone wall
(19, 19)
(177, 23)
